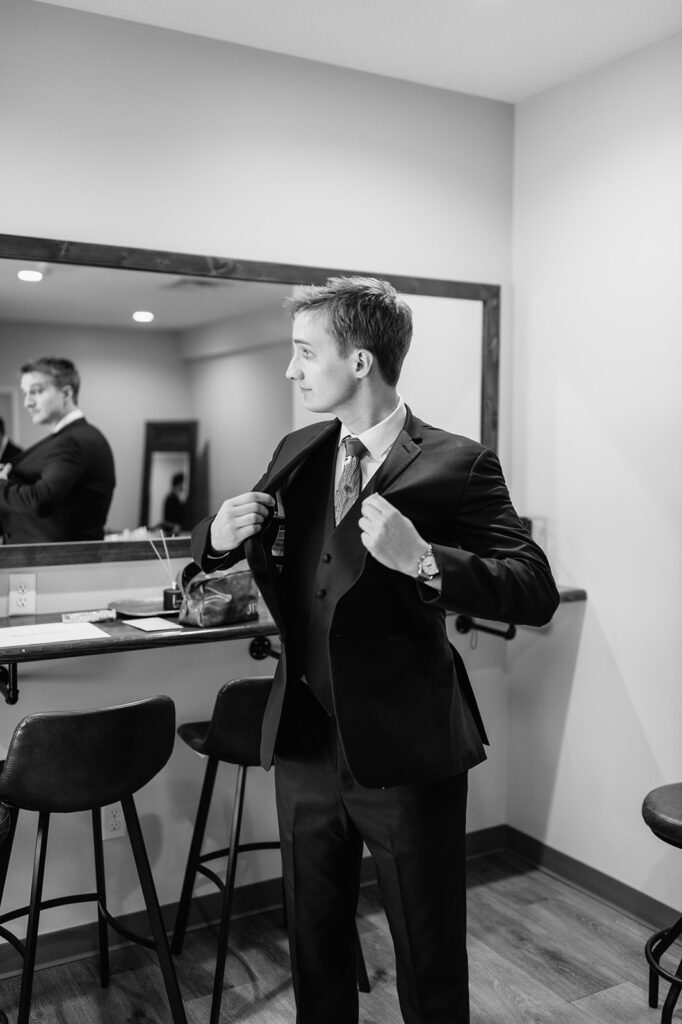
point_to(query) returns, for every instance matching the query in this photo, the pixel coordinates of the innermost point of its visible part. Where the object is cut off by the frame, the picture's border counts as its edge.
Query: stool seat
(662, 811)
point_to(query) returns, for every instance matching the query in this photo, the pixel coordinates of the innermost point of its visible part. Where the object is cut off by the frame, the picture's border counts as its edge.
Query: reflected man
(174, 506)
(59, 489)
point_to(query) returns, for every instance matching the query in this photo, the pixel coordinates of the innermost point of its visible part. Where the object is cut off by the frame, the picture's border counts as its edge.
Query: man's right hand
(239, 518)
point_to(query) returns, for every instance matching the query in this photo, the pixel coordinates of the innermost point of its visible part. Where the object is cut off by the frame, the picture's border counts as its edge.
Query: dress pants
(416, 836)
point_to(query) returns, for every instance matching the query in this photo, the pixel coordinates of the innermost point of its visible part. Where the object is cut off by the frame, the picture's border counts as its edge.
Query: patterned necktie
(350, 484)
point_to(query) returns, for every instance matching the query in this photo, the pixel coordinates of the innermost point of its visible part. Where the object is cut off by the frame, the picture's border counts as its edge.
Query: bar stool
(65, 761)
(232, 736)
(662, 811)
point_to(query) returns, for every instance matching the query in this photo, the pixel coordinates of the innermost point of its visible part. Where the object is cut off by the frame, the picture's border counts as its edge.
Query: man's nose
(293, 372)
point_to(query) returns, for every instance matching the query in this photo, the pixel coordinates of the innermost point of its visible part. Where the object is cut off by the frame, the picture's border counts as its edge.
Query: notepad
(48, 633)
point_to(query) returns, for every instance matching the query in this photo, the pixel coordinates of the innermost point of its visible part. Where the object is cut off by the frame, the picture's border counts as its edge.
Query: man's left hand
(389, 536)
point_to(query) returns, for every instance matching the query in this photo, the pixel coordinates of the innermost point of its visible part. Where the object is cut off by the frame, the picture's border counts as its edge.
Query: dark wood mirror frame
(50, 250)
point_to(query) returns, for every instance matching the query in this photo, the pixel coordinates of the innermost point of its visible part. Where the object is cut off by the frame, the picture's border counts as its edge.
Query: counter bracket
(465, 623)
(9, 682)
(260, 647)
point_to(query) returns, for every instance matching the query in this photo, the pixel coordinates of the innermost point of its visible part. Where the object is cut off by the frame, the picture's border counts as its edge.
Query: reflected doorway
(168, 475)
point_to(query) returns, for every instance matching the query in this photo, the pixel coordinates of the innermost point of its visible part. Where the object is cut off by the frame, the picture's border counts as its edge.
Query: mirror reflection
(215, 355)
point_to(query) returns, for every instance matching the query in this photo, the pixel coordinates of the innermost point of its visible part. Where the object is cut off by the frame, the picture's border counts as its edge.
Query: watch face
(429, 569)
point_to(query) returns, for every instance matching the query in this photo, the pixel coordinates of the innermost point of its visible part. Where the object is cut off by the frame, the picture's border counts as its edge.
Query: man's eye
(306, 353)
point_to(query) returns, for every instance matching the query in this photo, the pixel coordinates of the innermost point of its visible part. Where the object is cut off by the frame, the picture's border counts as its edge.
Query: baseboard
(81, 941)
(622, 897)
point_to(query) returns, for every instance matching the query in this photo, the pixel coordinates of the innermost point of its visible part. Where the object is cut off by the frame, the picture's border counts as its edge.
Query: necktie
(350, 484)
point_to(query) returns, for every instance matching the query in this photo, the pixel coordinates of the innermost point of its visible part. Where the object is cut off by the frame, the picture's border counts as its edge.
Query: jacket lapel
(404, 450)
(258, 549)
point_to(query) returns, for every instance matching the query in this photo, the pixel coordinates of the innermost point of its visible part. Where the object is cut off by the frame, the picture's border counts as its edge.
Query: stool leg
(102, 928)
(228, 892)
(654, 950)
(361, 969)
(671, 1000)
(194, 854)
(33, 918)
(6, 849)
(153, 910)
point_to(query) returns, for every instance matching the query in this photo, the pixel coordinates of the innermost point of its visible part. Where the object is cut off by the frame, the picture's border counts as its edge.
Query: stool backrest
(77, 760)
(234, 732)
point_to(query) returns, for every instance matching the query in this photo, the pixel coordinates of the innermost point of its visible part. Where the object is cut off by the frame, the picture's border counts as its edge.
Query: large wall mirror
(214, 356)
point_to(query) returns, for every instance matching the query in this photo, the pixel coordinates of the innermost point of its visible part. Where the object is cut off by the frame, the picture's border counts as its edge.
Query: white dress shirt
(377, 440)
(70, 417)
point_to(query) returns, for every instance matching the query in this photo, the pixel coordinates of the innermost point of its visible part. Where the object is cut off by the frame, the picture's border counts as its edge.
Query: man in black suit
(9, 451)
(372, 721)
(60, 489)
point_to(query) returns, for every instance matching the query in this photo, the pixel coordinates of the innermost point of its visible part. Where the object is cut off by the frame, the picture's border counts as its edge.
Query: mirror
(214, 355)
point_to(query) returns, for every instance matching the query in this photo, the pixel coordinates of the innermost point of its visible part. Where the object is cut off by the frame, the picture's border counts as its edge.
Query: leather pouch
(217, 598)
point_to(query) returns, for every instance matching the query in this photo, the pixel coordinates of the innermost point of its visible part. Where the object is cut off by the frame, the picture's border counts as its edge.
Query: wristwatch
(427, 567)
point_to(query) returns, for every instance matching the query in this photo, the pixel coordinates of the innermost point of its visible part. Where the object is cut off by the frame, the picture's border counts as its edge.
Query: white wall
(125, 134)
(597, 428)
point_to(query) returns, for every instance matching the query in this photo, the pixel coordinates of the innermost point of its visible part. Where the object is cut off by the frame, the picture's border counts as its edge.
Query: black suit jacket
(60, 489)
(11, 452)
(401, 696)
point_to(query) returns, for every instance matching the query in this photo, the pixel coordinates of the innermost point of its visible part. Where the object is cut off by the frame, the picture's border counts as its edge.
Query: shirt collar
(379, 438)
(70, 417)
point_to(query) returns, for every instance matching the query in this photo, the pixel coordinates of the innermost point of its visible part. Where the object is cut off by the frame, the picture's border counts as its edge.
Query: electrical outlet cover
(22, 593)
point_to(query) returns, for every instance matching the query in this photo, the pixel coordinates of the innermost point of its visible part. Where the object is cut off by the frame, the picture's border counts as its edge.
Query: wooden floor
(541, 952)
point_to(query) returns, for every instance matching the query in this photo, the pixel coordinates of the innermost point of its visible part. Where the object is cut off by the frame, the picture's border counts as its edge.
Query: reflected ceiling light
(30, 275)
(142, 317)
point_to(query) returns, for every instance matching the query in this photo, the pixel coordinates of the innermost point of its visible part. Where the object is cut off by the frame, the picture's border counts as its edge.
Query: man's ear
(364, 360)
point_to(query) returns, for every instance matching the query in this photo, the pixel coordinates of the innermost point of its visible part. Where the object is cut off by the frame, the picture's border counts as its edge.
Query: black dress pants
(416, 836)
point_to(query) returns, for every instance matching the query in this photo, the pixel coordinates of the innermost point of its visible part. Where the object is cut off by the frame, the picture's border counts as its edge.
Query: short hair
(362, 312)
(62, 372)
(177, 479)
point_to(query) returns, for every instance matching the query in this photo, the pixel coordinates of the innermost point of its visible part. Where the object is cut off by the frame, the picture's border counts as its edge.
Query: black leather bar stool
(662, 811)
(233, 736)
(65, 761)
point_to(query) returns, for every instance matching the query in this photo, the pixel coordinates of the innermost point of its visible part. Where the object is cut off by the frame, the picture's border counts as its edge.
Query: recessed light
(143, 317)
(30, 275)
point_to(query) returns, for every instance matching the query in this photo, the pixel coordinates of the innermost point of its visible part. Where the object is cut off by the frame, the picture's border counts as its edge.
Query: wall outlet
(22, 593)
(113, 822)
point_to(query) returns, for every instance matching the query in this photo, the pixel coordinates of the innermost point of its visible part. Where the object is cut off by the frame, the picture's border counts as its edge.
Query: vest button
(321, 592)
(326, 557)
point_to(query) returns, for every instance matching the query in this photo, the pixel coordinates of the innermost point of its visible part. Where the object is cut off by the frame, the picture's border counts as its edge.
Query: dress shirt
(70, 417)
(377, 440)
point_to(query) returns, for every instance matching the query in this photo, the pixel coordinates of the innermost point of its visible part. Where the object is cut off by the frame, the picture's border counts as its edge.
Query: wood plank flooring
(541, 952)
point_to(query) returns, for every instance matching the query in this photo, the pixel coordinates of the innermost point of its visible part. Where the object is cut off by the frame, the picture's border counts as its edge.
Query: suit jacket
(60, 489)
(400, 693)
(11, 452)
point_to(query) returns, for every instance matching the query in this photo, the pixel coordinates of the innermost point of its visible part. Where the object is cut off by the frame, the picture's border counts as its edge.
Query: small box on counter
(95, 615)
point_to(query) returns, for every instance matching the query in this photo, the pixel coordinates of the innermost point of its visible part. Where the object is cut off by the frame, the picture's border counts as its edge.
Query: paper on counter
(48, 633)
(152, 624)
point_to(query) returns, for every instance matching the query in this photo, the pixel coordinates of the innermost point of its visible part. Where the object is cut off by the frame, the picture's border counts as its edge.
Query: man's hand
(389, 536)
(5, 470)
(239, 518)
